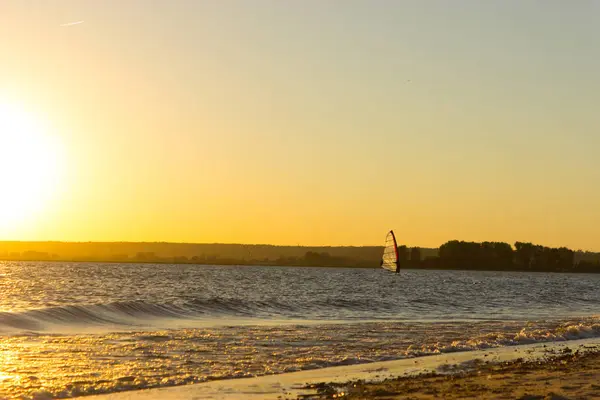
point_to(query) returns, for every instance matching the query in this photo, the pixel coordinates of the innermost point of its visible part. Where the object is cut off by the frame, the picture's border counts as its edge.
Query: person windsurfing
(390, 259)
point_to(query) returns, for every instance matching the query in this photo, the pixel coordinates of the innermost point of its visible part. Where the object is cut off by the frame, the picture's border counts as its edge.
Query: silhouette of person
(398, 266)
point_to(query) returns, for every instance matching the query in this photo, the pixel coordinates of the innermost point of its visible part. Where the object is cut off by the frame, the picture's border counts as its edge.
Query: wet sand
(569, 375)
(570, 369)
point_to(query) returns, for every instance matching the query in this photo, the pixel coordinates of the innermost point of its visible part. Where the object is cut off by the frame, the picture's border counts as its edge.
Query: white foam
(291, 385)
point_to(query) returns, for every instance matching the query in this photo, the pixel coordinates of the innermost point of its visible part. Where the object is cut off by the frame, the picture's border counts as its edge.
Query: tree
(402, 254)
(415, 255)
(524, 254)
(473, 255)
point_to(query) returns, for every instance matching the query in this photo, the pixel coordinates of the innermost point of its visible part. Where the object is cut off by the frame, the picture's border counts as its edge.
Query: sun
(29, 167)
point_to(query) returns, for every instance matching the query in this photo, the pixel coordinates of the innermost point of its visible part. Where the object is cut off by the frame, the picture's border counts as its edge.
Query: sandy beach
(570, 369)
(570, 375)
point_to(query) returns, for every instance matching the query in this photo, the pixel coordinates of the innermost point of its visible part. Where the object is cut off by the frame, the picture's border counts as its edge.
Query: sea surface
(72, 329)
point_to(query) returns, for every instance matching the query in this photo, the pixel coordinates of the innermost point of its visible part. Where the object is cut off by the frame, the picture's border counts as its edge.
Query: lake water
(69, 329)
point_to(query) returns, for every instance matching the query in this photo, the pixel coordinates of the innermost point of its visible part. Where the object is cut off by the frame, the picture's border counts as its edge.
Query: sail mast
(390, 257)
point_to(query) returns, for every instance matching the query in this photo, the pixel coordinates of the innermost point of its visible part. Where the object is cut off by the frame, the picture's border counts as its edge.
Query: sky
(301, 122)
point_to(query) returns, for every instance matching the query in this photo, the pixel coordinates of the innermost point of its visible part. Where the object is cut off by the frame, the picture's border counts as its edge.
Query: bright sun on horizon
(29, 167)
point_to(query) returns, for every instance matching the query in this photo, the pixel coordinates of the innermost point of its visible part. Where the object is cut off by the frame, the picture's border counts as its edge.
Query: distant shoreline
(167, 262)
(452, 255)
(242, 264)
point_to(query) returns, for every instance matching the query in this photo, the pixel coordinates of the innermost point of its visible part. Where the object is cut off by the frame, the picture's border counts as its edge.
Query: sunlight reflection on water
(96, 328)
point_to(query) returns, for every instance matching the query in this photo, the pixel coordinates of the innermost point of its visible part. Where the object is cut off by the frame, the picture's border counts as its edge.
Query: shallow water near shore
(85, 328)
(385, 379)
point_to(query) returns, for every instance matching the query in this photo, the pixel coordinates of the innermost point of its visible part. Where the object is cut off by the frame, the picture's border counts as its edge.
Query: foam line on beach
(294, 384)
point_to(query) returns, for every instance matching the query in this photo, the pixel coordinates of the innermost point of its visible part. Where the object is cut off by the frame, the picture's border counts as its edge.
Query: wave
(587, 328)
(158, 358)
(141, 313)
(118, 313)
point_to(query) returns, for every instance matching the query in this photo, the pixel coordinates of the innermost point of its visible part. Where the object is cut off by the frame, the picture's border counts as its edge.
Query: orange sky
(308, 122)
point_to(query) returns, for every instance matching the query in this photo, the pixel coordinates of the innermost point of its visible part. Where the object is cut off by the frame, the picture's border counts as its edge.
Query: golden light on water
(30, 167)
(7, 357)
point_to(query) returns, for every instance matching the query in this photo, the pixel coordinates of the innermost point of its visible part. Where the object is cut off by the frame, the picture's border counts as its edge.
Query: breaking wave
(511, 335)
(136, 313)
(118, 313)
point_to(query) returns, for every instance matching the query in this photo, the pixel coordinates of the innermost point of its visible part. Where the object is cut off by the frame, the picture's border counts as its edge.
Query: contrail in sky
(72, 23)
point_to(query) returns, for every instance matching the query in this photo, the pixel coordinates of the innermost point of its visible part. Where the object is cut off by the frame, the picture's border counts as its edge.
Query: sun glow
(29, 167)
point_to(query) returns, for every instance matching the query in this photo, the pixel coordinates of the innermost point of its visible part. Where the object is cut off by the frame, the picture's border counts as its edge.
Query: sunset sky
(300, 122)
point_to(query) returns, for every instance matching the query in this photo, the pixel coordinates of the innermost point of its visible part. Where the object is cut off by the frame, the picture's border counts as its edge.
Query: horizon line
(267, 244)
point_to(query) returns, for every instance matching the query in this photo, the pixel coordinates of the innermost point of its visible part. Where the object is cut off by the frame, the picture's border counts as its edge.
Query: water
(69, 329)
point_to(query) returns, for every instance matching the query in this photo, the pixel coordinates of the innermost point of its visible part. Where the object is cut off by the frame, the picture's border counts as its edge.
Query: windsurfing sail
(389, 260)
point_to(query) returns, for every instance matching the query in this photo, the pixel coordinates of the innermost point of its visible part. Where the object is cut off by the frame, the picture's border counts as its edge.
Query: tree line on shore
(453, 254)
(502, 256)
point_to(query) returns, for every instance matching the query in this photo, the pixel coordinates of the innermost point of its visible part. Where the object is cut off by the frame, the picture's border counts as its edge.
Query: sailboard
(389, 260)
